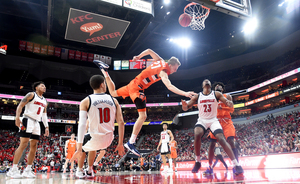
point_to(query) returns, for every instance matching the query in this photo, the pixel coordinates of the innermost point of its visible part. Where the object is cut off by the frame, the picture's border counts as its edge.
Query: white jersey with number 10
(207, 105)
(101, 114)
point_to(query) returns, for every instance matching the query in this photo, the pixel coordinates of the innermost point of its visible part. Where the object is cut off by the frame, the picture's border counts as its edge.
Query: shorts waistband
(25, 116)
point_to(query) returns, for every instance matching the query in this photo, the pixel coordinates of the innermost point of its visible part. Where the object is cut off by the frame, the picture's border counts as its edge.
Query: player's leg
(140, 103)
(72, 167)
(99, 157)
(163, 157)
(215, 163)
(31, 155)
(175, 164)
(66, 164)
(212, 144)
(198, 134)
(14, 171)
(170, 162)
(91, 158)
(79, 172)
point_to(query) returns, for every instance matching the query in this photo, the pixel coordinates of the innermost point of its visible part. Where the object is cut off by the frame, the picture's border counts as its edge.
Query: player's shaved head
(96, 81)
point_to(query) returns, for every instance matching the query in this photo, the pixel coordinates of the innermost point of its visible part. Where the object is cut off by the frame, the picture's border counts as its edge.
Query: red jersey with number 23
(207, 105)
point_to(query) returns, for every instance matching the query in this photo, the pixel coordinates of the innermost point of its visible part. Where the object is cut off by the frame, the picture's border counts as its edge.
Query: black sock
(236, 154)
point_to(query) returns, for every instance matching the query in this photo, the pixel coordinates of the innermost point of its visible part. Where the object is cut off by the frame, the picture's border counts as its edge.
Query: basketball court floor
(181, 177)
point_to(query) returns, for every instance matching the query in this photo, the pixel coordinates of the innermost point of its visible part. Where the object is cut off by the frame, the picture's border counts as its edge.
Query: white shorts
(30, 129)
(212, 124)
(95, 142)
(164, 148)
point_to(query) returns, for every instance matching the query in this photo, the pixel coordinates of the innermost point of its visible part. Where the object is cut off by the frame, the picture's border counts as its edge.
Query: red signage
(29, 47)
(276, 161)
(78, 55)
(262, 99)
(57, 51)
(71, 54)
(90, 57)
(37, 48)
(50, 50)
(84, 56)
(22, 45)
(44, 49)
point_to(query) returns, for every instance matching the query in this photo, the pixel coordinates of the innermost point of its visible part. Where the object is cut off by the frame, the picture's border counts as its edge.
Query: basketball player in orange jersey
(224, 118)
(159, 70)
(70, 148)
(208, 102)
(173, 146)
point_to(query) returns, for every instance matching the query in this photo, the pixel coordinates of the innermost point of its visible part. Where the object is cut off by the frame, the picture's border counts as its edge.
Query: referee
(219, 157)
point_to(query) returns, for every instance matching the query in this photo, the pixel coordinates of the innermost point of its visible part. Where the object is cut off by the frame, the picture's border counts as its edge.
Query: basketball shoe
(89, 175)
(196, 168)
(101, 65)
(80, 174)
(27, 173)
(209, 171)
(237, 170)
(14, 173)
(132, 148)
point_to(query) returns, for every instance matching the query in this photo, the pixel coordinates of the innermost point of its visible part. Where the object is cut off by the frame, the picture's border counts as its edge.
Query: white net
(198, 14)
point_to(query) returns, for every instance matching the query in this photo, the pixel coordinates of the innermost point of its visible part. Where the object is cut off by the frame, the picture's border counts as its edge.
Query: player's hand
(219, 107)
(18, 122)
(120, 149)
(229, 103)
(190, 94)
(46, 132)
(157, 149)
(135, 58)
(183, 103)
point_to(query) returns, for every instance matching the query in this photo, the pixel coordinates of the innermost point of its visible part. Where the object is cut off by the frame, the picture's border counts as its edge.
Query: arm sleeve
(81, 126)
(45, 120)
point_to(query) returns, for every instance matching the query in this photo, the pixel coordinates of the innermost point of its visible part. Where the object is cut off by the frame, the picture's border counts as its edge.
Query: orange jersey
(225, 111)
(72, 146)
(150, 75)
(173, 146)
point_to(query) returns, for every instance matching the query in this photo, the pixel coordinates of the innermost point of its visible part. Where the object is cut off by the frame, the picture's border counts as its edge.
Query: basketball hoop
(198, 13)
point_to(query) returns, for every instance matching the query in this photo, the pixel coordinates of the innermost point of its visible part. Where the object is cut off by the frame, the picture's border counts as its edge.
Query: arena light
(167, 1)
(182, 42)
(250, 26)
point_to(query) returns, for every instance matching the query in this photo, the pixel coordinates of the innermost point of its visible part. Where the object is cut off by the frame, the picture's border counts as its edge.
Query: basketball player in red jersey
(159, 70)
(70, 148)
(208, 105)
(29, 128)
(224, 118)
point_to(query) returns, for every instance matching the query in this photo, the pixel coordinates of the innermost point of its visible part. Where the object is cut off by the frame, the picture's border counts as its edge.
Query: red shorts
(133, 91)
(173, 154)
(228, 128)
(70, 155)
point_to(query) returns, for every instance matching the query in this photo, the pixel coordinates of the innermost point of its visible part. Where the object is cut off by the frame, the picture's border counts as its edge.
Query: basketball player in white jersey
(102, 110)
(207, 106)
(29, 128)
(166, 137)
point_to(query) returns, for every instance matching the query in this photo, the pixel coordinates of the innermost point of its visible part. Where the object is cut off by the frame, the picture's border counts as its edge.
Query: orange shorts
(70, 155)
(133, 91)
(228, 129)
(173, 154)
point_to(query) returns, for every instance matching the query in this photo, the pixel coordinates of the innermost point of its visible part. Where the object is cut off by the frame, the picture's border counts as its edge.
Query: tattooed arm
(23, 102)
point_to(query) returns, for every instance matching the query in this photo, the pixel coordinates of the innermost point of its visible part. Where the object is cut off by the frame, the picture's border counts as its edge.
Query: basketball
(184, 20)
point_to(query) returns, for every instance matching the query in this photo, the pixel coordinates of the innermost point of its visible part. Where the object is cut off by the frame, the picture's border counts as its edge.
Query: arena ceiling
(222, 38)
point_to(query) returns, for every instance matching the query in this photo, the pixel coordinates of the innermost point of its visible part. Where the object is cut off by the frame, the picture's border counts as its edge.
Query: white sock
(79, 169)
(90, 169)
(170, 163)
(28, 167)
(95, 163)
(235, 163)
(132, 139)
(198, 159)
(15, 167)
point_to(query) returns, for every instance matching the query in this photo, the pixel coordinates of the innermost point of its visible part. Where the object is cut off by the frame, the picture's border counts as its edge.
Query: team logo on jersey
(23, 128)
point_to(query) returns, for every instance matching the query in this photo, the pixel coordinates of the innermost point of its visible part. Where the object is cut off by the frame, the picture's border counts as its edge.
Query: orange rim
(194, 4)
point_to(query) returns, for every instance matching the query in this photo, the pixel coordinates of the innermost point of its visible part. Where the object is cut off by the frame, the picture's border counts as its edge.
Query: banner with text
(95, 29)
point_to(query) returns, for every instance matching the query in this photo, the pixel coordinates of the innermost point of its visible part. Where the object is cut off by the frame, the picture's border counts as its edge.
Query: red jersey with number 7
(35, 107)
(150, 75)
(207, 105)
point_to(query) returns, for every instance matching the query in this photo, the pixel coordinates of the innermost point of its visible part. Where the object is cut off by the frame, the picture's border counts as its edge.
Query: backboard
(237, 8)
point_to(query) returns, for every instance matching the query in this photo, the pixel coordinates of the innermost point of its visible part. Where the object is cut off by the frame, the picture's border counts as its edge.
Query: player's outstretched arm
(146, 52)
(223, 99)
(189, 104)
(121, 128)
(23, 102)
(228, 109)
(171, 87)
(84, 104)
